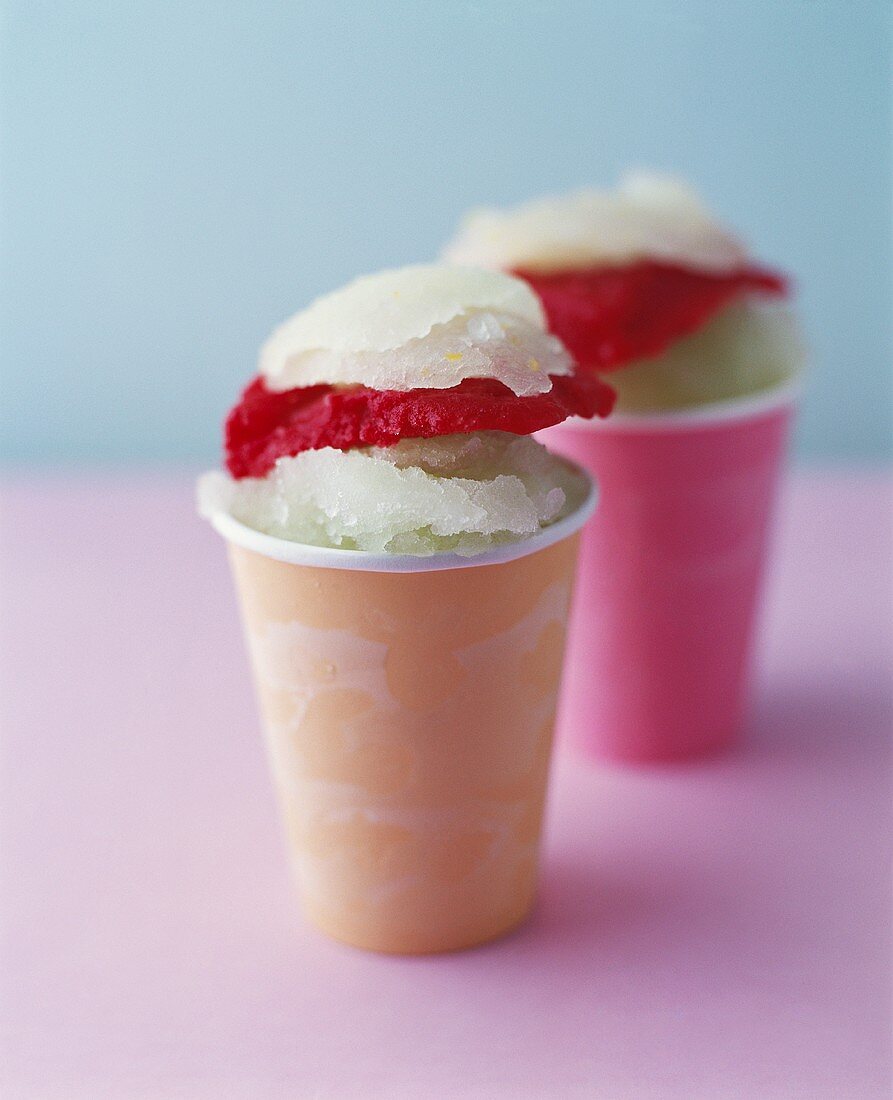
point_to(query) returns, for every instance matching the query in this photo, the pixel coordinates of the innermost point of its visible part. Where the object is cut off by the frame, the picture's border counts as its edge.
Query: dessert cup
(670, 575)
(408, 705)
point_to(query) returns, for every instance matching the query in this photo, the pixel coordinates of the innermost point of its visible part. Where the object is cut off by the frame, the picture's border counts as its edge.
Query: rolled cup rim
(327, 557)
(715, 414)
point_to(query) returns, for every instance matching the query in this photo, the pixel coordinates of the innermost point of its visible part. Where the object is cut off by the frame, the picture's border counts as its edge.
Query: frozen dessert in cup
(646, 289)
(404, 553)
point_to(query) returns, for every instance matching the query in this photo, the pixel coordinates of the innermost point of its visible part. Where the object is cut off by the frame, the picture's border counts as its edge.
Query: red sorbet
(266, 425)
(609, 316)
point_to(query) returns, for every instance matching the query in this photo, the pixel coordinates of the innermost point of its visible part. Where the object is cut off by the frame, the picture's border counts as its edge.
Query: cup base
(384, 942)
(661, 750)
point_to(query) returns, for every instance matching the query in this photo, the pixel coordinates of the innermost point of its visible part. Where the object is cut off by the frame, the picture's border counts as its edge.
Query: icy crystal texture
(462, 493)
(422, 327)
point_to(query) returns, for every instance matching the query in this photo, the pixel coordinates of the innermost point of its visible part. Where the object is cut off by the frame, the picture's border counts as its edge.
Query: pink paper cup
(669, 576)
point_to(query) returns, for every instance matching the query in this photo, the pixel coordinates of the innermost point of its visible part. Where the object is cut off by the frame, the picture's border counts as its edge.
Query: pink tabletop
(719, 930)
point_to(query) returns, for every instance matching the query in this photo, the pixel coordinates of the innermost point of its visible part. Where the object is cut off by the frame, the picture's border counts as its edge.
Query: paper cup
(409, 707)
(669, 576)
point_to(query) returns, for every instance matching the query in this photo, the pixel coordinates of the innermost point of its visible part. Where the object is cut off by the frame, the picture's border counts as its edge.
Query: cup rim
(327, 557)
(715, 414)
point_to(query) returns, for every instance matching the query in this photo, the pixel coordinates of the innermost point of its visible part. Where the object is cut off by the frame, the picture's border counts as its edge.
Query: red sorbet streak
(609, 316)
(266, 425)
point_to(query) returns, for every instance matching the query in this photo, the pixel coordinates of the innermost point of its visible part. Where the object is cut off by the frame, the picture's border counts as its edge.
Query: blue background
(179, 176)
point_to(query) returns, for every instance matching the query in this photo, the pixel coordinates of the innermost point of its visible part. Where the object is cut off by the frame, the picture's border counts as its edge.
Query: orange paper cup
(409, 706)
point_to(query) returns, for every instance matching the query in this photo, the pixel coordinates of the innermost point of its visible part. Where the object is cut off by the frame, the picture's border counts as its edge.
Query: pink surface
(715, 930)
(668, 581)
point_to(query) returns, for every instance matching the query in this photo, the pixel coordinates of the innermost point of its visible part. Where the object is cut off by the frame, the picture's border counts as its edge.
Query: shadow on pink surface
(824, 715)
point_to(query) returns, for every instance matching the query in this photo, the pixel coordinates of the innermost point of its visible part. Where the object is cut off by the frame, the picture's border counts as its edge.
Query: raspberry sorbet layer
(609, 317)
(266, 426)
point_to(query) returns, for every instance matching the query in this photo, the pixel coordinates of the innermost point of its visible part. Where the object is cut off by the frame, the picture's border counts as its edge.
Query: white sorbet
(748, 348)
(459, 493)
(420, 327)
(649, 216)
